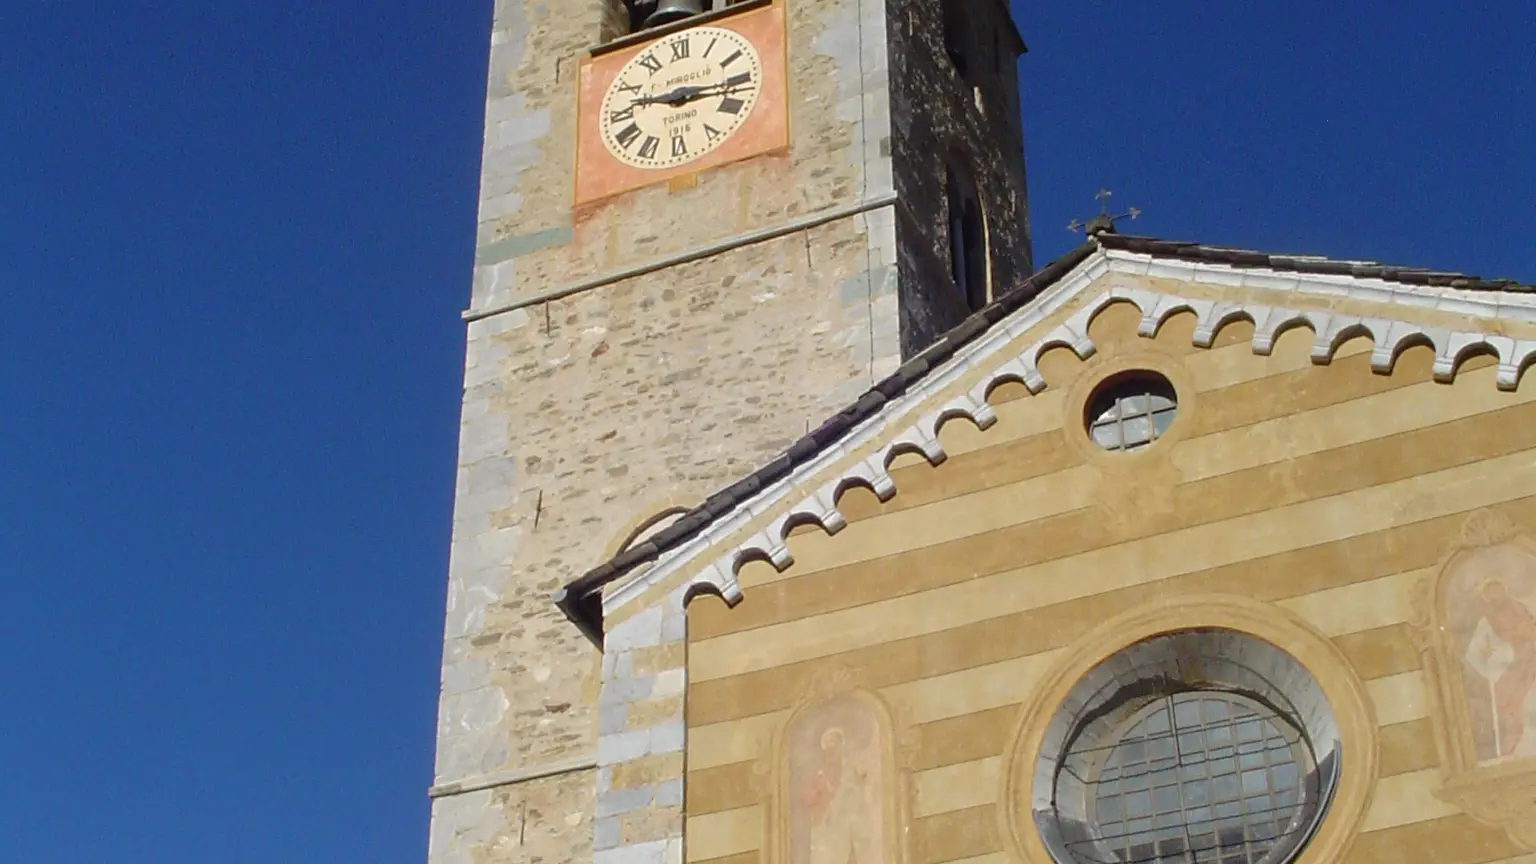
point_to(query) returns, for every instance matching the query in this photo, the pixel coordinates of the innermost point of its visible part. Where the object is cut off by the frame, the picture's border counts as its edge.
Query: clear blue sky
(234, 240)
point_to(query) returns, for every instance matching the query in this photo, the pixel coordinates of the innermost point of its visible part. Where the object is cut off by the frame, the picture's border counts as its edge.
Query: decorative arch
(656, 515)
(840, 777)
(957, 35)
(970, 259)
(1477, 633)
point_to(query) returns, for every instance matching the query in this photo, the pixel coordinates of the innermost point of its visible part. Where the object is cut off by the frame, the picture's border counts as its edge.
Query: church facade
(799, 520)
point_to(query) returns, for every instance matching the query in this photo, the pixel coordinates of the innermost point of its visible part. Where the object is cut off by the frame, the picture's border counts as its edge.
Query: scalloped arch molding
(1332, 330)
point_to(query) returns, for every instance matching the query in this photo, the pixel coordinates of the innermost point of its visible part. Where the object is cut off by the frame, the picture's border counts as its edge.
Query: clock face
(680, 98)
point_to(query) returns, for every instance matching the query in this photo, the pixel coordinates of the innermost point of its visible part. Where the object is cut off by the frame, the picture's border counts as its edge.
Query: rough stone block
(648, 771)
(668, 738)
(658, 658)
(651, 712)
(612, 719)
(670, 683)
(669, 793)
(654, 852)
(605, 833)
(617, 801)
(623, 690)
(656, 823)
(613, 749)
(674, 628)
(641, 631)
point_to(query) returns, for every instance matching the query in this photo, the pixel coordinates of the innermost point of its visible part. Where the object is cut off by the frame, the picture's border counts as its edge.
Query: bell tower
(703, 228)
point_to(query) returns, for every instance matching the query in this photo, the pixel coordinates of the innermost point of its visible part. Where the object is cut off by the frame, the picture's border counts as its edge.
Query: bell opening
(669, 11)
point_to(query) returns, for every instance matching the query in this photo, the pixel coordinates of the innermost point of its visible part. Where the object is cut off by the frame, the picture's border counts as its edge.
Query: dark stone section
(955, 104)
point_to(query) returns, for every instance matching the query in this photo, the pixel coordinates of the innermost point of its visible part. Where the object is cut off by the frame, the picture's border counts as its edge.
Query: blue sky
(234, 240)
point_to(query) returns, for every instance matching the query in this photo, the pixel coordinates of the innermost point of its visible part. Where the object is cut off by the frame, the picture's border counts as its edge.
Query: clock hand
(680, 96)
(684, 95)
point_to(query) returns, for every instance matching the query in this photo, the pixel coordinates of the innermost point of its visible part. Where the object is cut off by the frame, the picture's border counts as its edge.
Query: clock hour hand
(680, 96)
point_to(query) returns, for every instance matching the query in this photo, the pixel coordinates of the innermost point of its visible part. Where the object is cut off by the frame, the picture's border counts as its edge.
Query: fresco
(837, 765)
(1489, 602)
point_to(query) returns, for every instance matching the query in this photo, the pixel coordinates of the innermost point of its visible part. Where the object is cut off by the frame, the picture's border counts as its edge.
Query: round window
(1129, 412)
(1200, 746)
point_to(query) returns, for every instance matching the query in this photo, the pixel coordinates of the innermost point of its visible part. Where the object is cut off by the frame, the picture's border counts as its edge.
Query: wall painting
(1477, 629)
(840, 783)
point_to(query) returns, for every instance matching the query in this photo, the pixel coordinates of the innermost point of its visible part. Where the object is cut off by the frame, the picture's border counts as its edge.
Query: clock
(690, 99)
(681, 98)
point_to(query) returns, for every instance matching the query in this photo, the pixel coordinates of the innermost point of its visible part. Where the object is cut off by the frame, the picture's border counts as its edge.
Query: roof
(581, 599)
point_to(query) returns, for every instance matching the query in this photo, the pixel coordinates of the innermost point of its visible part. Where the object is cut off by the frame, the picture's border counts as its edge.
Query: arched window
(623, 17)
(957, 34)
(968, 262)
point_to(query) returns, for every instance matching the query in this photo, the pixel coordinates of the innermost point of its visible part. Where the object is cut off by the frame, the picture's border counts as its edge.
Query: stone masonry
(942, 117)
(639, 807)
(586, 413)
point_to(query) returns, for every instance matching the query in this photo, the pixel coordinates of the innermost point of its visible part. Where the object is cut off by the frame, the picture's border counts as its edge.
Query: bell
(668, 11)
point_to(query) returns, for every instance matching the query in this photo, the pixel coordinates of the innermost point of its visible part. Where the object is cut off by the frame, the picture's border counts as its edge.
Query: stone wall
(583, 414)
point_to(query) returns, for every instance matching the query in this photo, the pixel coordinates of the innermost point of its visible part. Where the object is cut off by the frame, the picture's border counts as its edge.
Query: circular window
(1199, 746)
(1131, 411)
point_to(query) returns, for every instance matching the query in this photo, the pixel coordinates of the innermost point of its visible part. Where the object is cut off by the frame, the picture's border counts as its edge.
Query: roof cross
(1104, 222)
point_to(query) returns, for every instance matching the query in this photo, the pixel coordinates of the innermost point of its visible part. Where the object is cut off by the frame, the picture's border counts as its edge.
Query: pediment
(1335, 307)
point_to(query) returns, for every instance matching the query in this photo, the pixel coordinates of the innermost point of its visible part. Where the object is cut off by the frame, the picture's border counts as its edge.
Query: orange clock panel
(599, 174)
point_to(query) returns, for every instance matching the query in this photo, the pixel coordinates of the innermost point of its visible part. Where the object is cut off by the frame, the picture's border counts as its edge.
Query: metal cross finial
(1104, 221)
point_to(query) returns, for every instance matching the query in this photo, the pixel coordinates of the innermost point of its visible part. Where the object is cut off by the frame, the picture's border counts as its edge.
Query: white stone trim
(1331, 329)
(1507, 305)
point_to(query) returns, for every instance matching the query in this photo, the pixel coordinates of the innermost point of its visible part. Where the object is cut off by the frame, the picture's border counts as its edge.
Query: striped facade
(1332, 494)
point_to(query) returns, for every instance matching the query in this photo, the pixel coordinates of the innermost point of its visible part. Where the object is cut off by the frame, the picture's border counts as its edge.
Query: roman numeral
(729, 60)
(680, 49)
(731, 106)
(712, 132)
(627, 135)
(617, 117)
(648, 149)
(629, 88)
(738, 80)
(650, 62)
(679, 146)
(711, 46)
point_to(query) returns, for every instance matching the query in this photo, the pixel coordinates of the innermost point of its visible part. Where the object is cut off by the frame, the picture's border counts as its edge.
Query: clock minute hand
(723, 89)
(680, 96)
(684, 95)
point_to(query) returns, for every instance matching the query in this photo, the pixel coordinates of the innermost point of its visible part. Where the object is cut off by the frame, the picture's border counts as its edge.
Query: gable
(1331, 311)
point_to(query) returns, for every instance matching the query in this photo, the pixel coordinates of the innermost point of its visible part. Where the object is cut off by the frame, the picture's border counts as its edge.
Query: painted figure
(837, 770)
(1491, 609)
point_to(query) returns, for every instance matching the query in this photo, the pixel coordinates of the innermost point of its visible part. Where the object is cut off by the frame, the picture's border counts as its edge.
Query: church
(801, 518)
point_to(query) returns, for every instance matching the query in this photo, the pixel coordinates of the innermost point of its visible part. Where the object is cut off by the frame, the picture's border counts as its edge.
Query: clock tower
(703, 227)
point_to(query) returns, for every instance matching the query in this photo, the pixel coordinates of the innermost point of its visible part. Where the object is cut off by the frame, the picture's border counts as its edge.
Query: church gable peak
(1458, 316)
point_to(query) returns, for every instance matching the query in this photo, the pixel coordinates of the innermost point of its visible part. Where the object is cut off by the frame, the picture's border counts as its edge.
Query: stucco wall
(1332, 495)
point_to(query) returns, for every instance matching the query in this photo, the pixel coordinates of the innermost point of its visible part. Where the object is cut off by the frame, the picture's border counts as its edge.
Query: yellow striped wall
(1330, 491)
